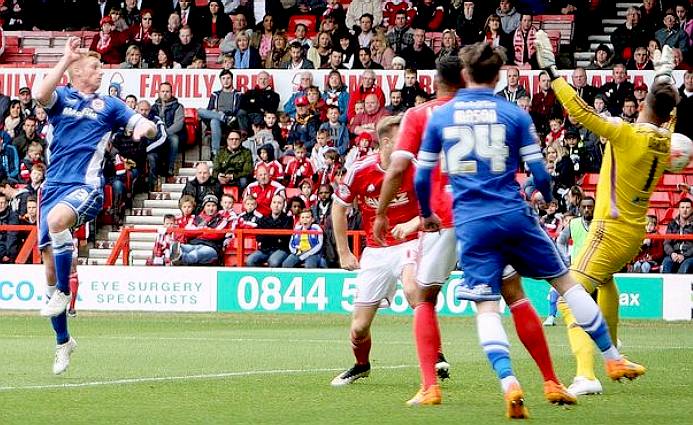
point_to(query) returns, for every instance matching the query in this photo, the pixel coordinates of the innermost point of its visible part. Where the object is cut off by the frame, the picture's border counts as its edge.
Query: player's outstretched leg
(589, 317)
(531, 334)
(360, 335)
(494, 341)
(585, 381)
(427, 338)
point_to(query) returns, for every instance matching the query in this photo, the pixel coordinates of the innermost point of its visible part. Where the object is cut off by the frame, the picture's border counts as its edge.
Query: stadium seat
(434, 41)
(660, 200)
(589, 182)
(563, 24)
(192, 127)
(310, 21)
(231, 190)
(292, 191)
(670, 182)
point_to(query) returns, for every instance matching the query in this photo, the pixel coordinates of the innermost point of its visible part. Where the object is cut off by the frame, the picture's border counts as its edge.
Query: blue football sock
(62, 254)
(553, 302)
(494, 342)
(59, 323)
(590, 318)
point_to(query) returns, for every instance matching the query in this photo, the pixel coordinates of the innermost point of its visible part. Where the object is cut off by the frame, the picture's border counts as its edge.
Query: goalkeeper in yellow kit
(635, 158)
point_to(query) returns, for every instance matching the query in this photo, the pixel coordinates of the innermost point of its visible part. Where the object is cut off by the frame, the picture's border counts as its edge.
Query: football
(681, 150)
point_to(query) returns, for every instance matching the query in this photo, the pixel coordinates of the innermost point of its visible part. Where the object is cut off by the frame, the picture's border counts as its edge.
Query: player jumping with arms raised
(484, 138)
(380, 266)
(635, 158)
(71, 195)
(438, 254)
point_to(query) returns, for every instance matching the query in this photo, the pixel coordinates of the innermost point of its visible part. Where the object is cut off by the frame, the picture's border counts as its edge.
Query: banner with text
(282, 291)
(147, 288)
(193, 87)
(22, 287)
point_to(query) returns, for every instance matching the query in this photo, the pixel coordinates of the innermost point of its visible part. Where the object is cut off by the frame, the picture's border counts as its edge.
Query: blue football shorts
(86, 201)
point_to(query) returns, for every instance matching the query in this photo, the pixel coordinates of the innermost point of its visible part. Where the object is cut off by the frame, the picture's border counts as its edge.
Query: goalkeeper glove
(545, 56)
(663, 62)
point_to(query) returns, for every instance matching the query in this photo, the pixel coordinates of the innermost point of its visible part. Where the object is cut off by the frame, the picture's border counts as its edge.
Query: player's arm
(339, 225)
(392, 182)
(402, 230)
(569, 98)
(562, 240)
(530, 153)
(45, 91)
(427, 160)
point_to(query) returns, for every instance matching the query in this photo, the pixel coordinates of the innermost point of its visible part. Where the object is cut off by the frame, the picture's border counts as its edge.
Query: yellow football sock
(607, 298)
(581, 344)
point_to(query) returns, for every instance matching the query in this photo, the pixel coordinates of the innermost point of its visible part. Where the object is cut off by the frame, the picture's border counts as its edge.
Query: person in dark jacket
(172, 114)
(8, 240)
(272, 249)
(256, 101)
(678, 254)
(186, 49)
(205, 249)
(222, 108)
(9, 159)
(234, 165)
(202, 185)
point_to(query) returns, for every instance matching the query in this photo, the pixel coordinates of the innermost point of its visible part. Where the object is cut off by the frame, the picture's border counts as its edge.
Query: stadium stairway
(609, 25)
(147, 213)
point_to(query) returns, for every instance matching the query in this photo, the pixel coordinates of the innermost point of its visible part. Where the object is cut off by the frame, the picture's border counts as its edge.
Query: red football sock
(427, 337)
(361, 348)
(74, 286)
(530, 331)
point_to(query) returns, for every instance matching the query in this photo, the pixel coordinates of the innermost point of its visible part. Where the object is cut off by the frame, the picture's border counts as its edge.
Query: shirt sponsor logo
(98, 105)
(85, 113)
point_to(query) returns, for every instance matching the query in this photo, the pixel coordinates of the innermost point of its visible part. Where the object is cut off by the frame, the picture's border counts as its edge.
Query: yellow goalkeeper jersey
(634, 159)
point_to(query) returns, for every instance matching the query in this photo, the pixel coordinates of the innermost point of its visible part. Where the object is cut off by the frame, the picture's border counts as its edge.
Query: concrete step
(609, 30)
(600, 38)
(146, 226)
(135, 236)
(583, 56)
(143, 219)
(172, 187)
(102, 262)
(612, 21)
(593, 46)
(165, 195)
(161, 203)
(583, 63)
(622, 13)
(108, 244)
(186, 172)
(626, 5)
(134, 253)
(155, 211)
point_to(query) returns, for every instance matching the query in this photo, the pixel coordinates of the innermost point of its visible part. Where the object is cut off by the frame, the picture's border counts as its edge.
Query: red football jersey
(411, 132)
(263, 195)
(363, 181)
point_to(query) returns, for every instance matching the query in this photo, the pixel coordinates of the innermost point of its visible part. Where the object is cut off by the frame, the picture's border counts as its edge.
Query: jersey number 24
(473, 143)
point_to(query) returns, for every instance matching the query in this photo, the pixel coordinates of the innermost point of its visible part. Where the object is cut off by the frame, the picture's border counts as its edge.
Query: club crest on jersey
(344, 191)
(98, 105)
(370, 188)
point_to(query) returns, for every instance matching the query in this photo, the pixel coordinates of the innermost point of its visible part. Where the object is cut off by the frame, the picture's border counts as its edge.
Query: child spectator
(316, 104)
(187, 205)
(36, 177)
(305, 248)
(553, 220)
(227, 202)
(556, 133)
(309, 198)
(41, 121)
(299, 168)
(285, 124)
(161, 253)
(359, 108)
(327, 174)
(651, 251)
(411, 88)
(250, 215)
(296, 205)
(600, 106)
(574, 149)
(34, 156)
(324, 143)
(421, 98)
(363, 148)
(267, 159)
(338, 131)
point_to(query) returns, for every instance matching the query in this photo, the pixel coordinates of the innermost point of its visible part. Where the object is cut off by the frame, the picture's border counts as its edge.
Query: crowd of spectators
(263, 149)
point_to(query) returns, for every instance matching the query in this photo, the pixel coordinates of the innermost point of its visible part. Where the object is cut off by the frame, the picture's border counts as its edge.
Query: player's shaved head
(482, 62)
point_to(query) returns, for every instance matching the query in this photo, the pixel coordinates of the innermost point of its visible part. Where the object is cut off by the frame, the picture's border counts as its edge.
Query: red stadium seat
(670, 182)
(589, 182)
(292, 191)
(310, 21)
(231, 190)
(193, 129)
(660, 200)
(434, 40)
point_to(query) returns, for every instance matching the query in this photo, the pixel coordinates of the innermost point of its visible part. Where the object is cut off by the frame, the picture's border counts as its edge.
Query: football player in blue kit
(483, 139)
(81, 123)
